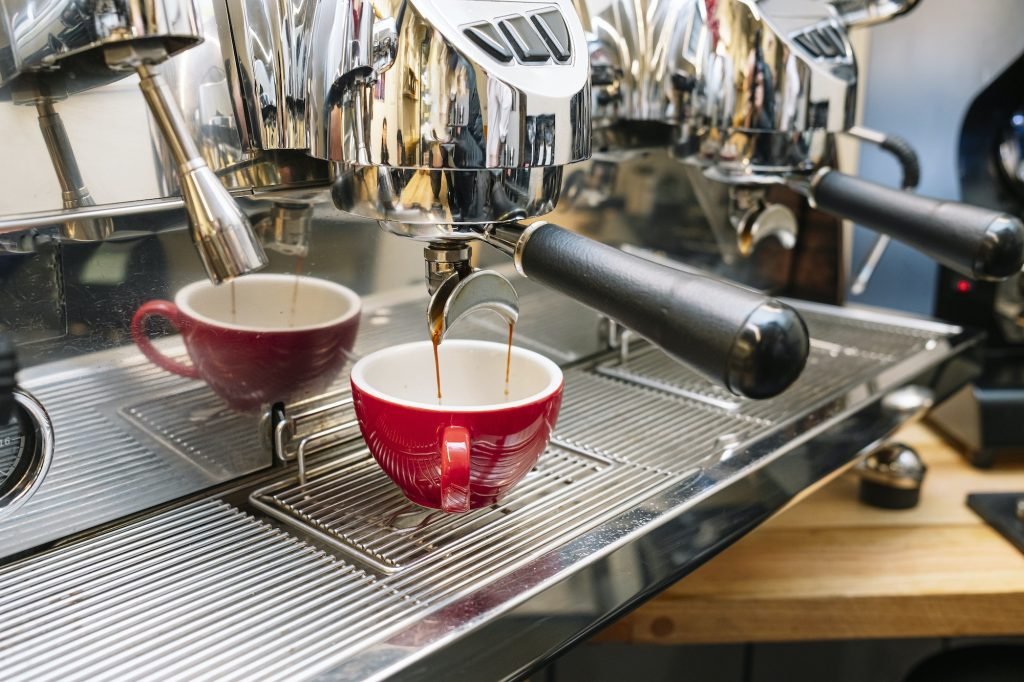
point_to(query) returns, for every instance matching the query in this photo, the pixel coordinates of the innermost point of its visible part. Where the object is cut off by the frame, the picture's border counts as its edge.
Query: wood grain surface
(829, 567)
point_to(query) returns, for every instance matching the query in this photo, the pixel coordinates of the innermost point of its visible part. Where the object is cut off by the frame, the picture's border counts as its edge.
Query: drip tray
(196, 424)
(351, 504)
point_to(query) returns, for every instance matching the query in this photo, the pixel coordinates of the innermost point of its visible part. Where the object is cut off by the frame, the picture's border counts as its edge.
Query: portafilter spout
(220, 230)
(458, 290)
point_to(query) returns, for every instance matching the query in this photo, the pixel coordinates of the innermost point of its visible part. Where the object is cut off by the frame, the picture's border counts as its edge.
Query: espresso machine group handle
(752, 344)
(975, 242)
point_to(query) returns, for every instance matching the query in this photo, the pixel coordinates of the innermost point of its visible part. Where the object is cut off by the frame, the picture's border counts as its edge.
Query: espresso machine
(148, 530)
(984, 415)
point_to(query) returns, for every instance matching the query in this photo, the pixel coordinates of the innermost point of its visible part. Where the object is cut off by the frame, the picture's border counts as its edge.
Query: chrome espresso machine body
(148, 530)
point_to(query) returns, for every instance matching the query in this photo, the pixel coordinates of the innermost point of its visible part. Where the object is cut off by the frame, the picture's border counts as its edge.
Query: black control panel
(533, 39)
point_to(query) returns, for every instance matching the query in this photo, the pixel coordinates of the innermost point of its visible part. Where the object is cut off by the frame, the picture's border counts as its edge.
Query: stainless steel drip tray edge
(866, 313)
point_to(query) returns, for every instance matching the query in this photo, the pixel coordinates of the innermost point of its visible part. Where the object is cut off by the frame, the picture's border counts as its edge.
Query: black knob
(8, 370)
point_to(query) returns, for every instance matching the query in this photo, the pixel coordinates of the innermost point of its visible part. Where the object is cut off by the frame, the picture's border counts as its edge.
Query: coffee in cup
(471, 447)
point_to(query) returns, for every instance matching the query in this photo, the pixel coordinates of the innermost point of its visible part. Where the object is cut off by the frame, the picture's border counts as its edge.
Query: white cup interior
(269, 303)
(472, 375)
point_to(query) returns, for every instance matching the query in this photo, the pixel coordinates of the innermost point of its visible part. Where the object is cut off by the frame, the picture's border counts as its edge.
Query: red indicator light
(963, 286)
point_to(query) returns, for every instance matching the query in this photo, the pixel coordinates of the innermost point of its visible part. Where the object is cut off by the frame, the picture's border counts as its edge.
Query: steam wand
(220, 230)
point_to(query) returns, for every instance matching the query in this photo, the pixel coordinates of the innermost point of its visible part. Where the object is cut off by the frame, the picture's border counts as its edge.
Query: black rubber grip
(751, 344)
(8, 371)
(975, 242)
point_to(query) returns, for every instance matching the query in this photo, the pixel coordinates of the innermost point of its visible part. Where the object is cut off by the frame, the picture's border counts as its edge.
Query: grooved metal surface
(102, 469)
(130, 435)
(842, 351)
(200, 427)
(681, 412)
(207, 592)
(351, 503)
(200, 592)
(644, 427)
(352, 577)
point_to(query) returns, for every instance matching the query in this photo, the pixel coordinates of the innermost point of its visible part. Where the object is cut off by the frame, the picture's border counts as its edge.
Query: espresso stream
(435, 339)
(299, 262)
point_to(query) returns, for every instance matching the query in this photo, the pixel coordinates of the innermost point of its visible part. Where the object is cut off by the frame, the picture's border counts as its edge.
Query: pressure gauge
(26, 450)
(26, 437)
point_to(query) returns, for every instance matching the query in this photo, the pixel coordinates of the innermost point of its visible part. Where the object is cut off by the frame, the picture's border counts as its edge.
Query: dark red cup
(268, 350)
(468, 451)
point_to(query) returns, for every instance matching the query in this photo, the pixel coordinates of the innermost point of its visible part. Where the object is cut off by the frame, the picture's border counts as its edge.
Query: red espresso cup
(268, 349)
(473, 447)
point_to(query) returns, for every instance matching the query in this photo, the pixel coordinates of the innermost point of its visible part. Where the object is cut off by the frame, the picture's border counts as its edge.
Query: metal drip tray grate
(642, 427)
(867, 338)
(649, 410)
(843, 351)
(351, 581)
(197, 424)
(350, 503)
(107, 464)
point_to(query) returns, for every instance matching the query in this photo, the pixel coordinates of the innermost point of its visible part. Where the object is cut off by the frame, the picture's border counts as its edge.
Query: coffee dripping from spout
(459, 290)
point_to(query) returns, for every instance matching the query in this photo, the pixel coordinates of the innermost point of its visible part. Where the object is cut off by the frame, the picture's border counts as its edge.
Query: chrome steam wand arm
(74, 192)
(739, 338)
(222, 233)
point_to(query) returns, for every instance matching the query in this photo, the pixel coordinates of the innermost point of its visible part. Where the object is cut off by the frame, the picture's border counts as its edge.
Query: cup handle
(169, 311)
(455, 459)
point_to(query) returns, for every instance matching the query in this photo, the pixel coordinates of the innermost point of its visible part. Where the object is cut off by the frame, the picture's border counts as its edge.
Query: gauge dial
(12, 445)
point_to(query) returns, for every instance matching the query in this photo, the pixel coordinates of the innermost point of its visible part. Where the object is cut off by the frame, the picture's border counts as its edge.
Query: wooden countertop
(829, 567)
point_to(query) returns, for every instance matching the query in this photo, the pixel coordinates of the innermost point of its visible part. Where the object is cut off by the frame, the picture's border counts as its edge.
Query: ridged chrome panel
(206, 591)
(351, 503)
(199, 426)
(129, 435)
(176, 595)
(686, 420)
(102, 469)
(644, 427)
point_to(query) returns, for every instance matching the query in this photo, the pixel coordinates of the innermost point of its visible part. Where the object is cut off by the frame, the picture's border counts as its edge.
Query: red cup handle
(455, 452)
(167, 310)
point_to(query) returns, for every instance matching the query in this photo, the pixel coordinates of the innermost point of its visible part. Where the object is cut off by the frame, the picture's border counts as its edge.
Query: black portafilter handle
(751, 344)
(976, 242)
(8, 372)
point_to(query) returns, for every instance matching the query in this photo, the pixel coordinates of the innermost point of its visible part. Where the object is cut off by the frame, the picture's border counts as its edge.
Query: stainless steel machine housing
(175, 538)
